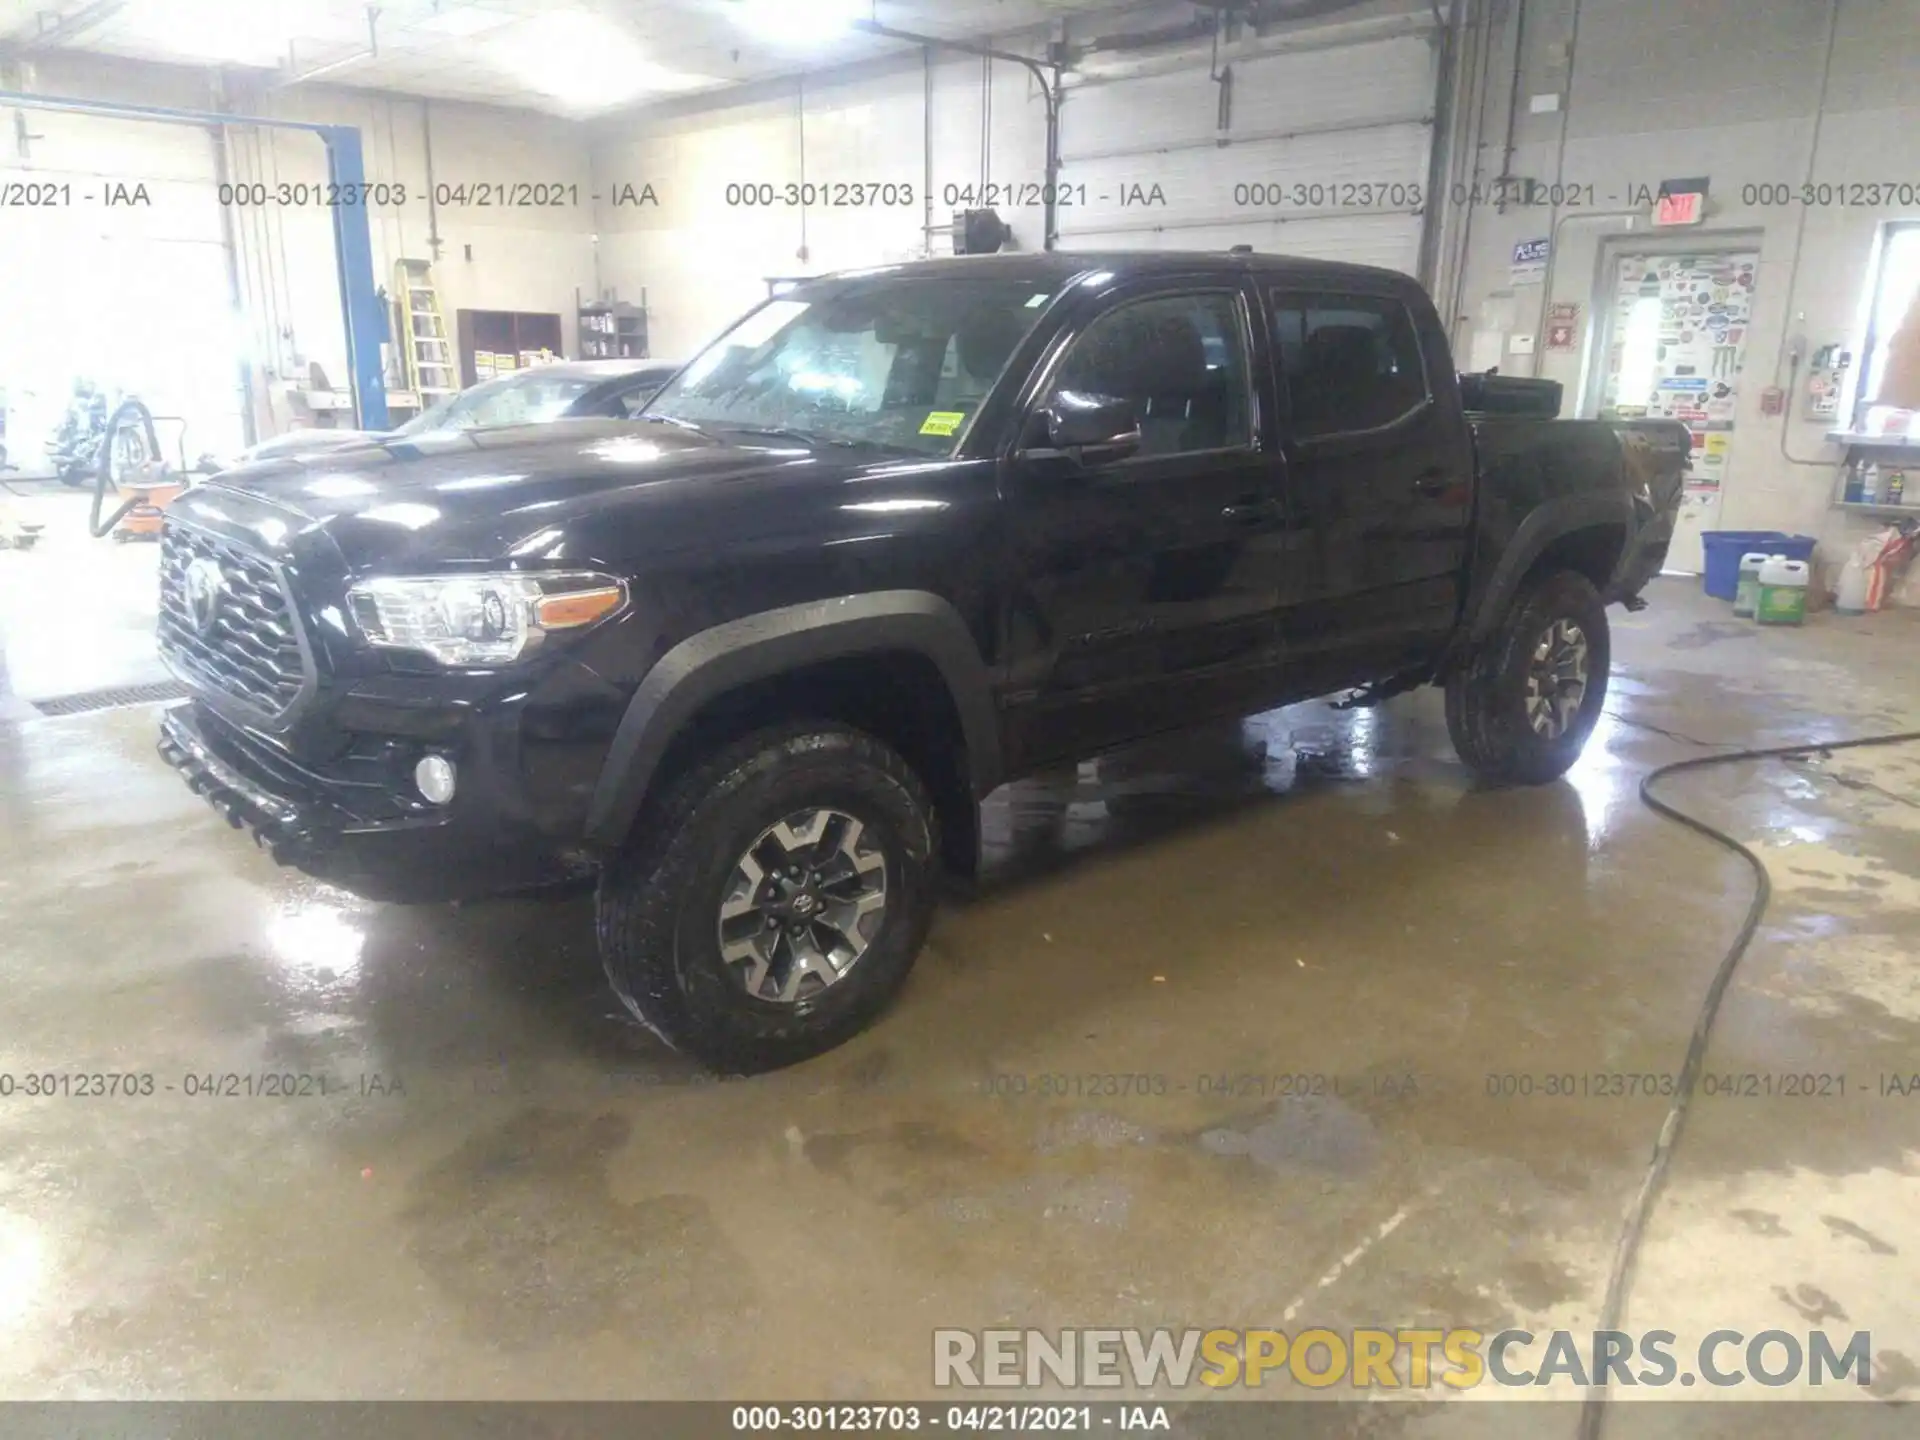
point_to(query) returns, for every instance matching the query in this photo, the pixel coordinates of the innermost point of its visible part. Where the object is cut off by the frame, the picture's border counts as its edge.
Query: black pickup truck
(753, 659)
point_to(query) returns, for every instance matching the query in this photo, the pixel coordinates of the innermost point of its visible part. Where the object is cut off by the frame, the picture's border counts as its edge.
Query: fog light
(434, 776)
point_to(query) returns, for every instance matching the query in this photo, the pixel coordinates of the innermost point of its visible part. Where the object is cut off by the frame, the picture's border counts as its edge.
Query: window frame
(1161, 288)
(1858, 402)
(1279, 299)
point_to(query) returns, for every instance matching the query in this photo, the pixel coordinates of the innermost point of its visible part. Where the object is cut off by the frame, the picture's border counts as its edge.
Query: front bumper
(381, 842)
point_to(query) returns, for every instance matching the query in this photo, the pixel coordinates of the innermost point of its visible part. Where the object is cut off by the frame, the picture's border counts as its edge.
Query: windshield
(525, 398)
(903, 363)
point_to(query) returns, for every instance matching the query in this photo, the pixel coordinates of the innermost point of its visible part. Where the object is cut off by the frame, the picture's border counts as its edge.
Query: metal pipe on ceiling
(1049, 93)
(1513, 99)
(70, 26)
(1445, 102)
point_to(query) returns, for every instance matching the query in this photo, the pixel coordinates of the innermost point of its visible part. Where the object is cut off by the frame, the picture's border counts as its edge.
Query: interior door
(1378, 482)
(1147, 586)
(1674, 345)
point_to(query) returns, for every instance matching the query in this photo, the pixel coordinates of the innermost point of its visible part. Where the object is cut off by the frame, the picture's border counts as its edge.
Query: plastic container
(1725, 547)
(1852, 599)
(1783, 591)
(1747, 598)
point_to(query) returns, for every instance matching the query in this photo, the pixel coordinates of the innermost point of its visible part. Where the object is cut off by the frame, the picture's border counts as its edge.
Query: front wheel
(1521, 709)
(775, 899)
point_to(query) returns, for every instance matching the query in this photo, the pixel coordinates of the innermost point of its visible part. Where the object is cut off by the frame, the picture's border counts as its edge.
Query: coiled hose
(1640, 1212)
(132, 414)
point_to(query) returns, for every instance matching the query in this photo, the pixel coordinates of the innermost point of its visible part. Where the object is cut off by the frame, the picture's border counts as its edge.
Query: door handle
(1250, 512)
(1432, 482)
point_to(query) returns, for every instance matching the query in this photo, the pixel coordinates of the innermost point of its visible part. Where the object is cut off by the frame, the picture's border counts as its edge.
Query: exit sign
(1681, 202)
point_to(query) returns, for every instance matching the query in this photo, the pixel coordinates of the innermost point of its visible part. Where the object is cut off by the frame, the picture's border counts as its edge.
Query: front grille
(251, 649)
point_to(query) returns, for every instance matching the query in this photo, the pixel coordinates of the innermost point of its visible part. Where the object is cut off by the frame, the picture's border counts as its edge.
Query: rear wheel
(1521, 709)
(776, 900)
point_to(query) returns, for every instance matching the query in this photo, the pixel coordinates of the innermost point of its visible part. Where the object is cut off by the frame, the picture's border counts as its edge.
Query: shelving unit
(1889, 451)
(518, 334)
(613, 331)
(1853, 440)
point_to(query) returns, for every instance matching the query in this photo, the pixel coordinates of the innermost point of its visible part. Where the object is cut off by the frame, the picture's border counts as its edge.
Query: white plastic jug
(1748, 595)
(1852, 599)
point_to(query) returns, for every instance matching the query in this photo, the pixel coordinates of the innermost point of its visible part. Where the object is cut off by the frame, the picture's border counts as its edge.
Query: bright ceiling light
(462, 21)
(799, 22)
(225, 32)
(584, 62)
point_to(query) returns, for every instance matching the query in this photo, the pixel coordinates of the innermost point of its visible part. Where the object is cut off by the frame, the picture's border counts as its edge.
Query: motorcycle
(74, 450)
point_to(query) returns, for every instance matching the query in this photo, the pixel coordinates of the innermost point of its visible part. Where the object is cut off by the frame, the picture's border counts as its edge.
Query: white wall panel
(702, 258)
(1326, 155)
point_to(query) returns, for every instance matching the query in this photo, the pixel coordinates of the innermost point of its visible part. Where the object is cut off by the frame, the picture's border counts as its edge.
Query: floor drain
(112, 698)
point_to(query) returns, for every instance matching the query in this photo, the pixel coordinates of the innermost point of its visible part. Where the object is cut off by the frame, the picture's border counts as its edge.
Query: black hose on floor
(1620, 1280)
(132, 415)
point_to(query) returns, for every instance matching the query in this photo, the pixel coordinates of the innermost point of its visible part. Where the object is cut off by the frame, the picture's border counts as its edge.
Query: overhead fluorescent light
(584, 62)
(799, 22)
(222, 32)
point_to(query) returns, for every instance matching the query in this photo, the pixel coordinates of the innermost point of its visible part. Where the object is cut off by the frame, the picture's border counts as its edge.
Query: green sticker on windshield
(944, 422)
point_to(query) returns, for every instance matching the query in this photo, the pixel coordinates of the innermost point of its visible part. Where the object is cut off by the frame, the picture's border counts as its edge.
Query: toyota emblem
(205, 584)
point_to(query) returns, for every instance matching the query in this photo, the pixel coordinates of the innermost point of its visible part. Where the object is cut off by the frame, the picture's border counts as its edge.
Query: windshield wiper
(672, 420)
(779, 432)
(785, 432)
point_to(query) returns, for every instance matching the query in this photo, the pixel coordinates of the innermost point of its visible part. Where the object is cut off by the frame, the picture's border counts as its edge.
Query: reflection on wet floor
(1225, 1016)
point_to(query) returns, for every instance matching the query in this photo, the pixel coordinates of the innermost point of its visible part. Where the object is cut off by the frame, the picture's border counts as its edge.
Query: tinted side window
(1180, 360)
(1349, 362)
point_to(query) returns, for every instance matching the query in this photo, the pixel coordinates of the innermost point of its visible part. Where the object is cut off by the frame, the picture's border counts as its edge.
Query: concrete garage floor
(513, 1194)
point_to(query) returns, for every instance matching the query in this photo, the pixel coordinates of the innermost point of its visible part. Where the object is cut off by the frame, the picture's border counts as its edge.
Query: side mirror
(1089, 429)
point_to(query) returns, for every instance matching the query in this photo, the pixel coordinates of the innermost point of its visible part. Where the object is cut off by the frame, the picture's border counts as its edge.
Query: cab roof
(1058, 266)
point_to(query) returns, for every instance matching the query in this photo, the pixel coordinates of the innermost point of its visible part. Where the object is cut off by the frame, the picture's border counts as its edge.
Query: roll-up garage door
(1324, 155)
(118, 273)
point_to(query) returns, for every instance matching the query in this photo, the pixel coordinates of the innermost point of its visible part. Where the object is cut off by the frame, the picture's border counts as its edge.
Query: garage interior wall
(490, 258)
(1732, 90)
(1312, 137)
(704, 253)
(1342, 98)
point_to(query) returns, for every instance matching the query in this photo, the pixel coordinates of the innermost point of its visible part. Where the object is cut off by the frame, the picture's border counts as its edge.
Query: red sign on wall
(1681, 202)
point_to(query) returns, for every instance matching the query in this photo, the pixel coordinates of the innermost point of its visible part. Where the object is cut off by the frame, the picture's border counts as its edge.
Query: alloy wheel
(1557, 679)
(802, 905)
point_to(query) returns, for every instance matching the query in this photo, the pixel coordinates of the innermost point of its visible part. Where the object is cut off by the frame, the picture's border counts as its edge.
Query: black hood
(485, 495)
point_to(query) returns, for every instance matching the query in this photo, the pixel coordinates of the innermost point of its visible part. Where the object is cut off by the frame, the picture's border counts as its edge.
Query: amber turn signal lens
(580, 607)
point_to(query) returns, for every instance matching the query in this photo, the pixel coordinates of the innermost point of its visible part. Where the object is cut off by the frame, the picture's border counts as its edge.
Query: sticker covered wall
(1676, 327)
(1678, 334)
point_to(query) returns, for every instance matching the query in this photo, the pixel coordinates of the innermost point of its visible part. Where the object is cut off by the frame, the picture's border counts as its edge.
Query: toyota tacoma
(750, 661)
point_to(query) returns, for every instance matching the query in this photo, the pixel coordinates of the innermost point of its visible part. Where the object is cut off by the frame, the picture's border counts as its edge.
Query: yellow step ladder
(432, 370)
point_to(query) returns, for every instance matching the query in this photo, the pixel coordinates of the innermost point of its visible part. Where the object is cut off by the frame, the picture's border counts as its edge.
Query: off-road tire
(1487, 695)
(659, 899)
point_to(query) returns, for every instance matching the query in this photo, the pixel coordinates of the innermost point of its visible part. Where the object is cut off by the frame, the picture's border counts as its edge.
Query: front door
(1378, 478)
(1674, 344)
(1146, 586)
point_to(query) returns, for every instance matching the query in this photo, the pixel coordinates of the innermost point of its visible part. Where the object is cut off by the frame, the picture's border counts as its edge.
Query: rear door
(1147, 588)
(1378, 473)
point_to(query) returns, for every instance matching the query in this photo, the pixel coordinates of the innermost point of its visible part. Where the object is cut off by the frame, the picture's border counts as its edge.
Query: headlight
(480, 619)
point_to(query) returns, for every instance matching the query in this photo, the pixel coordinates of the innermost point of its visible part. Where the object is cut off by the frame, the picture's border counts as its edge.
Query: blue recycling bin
(1725, 547)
